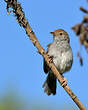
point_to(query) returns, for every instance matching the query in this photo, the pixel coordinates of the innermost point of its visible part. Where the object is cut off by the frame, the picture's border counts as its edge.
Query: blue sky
(21, 65)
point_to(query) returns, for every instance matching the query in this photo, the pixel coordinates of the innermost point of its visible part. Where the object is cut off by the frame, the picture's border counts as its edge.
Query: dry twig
(81, 30)
(20, 16)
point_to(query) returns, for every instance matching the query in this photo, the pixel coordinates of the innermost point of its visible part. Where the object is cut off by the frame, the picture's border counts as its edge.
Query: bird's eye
(61, 33)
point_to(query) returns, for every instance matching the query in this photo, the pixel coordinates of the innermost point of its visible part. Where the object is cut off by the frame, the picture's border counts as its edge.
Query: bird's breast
(62, 58)
(63, 61)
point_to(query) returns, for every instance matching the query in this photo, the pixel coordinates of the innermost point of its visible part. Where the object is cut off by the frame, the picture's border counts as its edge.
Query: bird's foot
(50, 59)
(64, 82)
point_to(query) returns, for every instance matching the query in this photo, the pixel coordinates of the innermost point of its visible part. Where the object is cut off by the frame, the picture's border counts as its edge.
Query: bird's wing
(49, 45)
(45, 66)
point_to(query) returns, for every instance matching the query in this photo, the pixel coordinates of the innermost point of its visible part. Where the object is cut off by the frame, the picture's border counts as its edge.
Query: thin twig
(84, 10)
(20, 16)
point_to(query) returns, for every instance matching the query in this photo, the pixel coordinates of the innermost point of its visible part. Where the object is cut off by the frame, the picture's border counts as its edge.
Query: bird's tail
(50, 84)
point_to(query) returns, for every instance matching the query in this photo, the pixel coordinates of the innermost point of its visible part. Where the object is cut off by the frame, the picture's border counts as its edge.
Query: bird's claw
(64, 82)
(50, 59)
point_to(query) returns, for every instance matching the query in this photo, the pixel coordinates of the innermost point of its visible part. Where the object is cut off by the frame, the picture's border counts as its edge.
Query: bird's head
(60, 34)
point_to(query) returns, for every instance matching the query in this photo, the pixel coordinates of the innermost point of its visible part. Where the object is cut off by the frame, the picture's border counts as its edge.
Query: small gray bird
(61, 53)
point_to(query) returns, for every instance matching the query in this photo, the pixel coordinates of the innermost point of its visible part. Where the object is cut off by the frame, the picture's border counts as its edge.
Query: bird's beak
(52, 33)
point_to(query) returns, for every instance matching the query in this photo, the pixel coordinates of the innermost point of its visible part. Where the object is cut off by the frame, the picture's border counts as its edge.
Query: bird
(61, 54)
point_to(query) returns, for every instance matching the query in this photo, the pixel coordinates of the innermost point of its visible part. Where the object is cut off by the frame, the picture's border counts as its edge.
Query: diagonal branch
(20, 16)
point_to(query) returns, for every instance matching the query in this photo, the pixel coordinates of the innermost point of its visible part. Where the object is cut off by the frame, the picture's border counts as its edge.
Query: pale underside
(62, 59)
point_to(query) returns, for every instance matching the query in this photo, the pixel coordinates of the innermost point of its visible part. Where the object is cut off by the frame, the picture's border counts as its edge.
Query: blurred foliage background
(11, 100)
